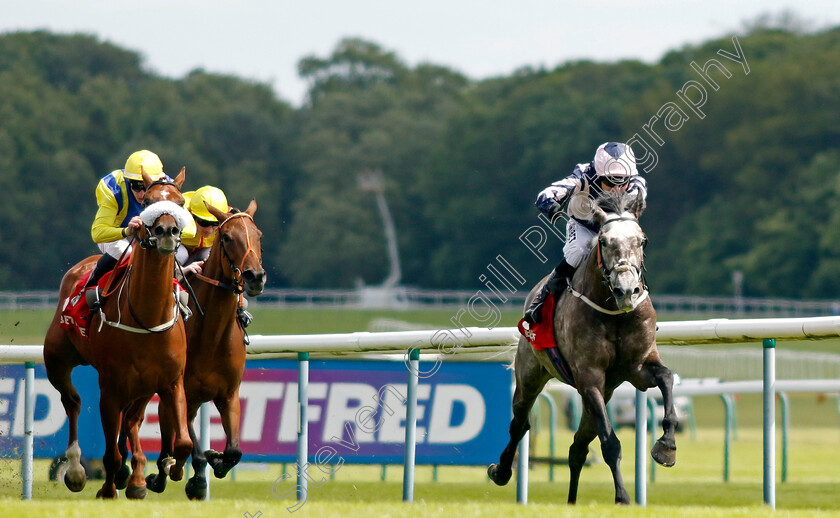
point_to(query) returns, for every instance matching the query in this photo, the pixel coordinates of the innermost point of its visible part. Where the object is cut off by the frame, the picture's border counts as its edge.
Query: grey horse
(604, 326)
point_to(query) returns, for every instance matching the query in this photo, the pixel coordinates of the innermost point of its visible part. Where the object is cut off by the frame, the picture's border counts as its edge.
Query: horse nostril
(618, 293)
(636, 290)
(253, 276)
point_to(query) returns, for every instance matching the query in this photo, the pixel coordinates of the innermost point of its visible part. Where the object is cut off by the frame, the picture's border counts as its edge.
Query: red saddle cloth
(75, 314)
(541, 335)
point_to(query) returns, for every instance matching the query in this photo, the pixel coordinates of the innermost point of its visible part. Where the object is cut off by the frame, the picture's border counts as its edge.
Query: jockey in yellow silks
(198, 237)
(119, 196)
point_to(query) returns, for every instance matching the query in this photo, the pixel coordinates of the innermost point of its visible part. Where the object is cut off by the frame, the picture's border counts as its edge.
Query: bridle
(150, 241)
(237, 285)
(622, 265)
(606, 276)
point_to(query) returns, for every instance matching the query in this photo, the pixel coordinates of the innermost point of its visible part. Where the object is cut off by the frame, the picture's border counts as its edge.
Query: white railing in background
(403, 298)
(409, 344)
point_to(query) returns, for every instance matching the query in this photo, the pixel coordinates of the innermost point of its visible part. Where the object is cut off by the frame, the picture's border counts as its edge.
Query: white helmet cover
(615, 161)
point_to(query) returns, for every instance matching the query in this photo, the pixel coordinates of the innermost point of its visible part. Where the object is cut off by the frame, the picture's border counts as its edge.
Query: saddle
(541, 338)
(78, 307)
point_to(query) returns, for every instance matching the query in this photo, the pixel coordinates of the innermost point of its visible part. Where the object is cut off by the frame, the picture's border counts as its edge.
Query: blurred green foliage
(754, 185)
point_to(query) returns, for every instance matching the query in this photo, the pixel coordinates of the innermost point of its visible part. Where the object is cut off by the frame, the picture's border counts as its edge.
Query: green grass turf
(694, 487)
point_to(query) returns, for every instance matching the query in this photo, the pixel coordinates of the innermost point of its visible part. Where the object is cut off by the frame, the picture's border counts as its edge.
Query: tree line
(752, 185)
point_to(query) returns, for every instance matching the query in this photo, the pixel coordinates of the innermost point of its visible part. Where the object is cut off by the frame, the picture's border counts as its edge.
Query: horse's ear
(252, 208)
(220, 216)
(147, 180)
(179, 180)
(639, 206)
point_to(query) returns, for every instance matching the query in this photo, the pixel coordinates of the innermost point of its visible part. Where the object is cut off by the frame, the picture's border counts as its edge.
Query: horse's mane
(618, 202)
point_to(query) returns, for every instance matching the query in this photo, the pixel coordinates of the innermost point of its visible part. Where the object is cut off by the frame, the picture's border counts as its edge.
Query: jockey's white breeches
(579, 240)
(114, 248)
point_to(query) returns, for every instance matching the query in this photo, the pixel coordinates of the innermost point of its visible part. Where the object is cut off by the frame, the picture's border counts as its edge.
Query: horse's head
(163, 189)
(239, 239)
(620, 247)
(163, 213)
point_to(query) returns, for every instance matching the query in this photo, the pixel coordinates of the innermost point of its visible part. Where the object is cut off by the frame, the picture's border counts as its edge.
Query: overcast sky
(264, 40)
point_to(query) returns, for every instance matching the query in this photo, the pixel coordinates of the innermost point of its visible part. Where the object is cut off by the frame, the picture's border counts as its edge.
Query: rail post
(522, 470)
(303, 426)
(28, 432)
(205, 442)
(729, 409)
(770, 422)
(411, 425)
(785, 401)
(641, 448)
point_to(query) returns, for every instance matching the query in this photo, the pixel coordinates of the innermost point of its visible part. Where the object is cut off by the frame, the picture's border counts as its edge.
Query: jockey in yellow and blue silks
(119, 196)
(613, 168)
(198, 237)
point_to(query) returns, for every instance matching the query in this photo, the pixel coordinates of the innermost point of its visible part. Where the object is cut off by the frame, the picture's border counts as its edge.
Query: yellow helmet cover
(213, 196)
(149, 161)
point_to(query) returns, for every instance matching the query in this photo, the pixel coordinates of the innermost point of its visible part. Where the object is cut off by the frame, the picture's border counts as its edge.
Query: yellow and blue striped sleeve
(106, 224)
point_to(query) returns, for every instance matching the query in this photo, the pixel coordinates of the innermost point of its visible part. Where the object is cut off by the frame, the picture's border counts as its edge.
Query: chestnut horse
(604, 326)
(215, 345)
(132, 362)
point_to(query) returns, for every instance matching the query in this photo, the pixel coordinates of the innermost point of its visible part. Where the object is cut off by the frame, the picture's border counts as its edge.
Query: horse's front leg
(109, 411)
(196, 486)
(221, 463)
(173, 403)
(595, 402)
(664, 451)
(578, 452)
(132, 420)
(157, 481)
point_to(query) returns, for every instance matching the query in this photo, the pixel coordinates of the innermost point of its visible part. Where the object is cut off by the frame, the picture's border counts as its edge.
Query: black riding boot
(555, 284)
(104, 264)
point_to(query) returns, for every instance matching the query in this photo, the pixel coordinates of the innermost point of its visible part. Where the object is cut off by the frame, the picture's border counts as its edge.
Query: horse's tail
(507, 350)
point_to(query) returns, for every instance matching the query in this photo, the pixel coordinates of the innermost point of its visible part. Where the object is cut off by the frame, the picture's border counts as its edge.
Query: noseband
(606, 274)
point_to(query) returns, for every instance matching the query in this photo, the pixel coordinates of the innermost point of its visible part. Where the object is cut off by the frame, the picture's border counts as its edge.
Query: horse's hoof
(196, 488)
(213, 455)
(220, 464)
(176, 473)
(135, 492)
(75, 478)
(220, 468)
(499, 475)
(156, 483)
(103, 494)
(664, 455)
(121, 477)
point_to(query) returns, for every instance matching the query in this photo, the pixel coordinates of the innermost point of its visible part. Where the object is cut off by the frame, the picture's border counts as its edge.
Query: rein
(142, 329)
(237, 285)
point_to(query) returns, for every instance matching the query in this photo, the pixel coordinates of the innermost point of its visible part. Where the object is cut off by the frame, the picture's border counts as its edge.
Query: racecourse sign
(356, 407)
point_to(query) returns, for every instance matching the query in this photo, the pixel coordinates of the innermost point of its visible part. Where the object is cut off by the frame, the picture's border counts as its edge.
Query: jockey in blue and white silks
(614, 167)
